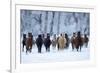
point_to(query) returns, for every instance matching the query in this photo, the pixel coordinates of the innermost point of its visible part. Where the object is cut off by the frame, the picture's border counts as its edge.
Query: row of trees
(54, 22)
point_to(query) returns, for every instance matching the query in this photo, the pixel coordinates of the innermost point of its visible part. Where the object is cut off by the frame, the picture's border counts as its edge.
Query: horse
(62, 42)
(77, 41)
(67, 40)
(39, 42)
(85, 40)
(24, 41)
(73, 41)
(29, 42)
(47, 43)
(54, 41)
(58, 42)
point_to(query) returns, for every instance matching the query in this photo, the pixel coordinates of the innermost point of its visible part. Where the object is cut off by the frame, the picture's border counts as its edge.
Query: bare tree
(52, 23)
(87, 24)
(75, 18)
(46, 18)
(58, 27)
(38, 20)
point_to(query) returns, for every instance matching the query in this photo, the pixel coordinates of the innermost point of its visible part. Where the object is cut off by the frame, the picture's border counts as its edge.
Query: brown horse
(29, 42)
(77, 41)
(73, 41)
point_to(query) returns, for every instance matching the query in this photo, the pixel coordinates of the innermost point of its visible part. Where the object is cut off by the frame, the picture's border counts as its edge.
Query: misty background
(54, 22)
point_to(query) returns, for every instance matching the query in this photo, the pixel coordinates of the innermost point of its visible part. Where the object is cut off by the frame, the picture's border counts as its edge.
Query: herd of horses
(76, 41)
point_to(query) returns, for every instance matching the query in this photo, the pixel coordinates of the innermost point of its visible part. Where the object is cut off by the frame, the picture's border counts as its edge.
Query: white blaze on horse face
(73, 37)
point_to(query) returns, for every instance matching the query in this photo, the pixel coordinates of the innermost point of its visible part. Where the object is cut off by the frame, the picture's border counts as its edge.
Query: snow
(54, 55)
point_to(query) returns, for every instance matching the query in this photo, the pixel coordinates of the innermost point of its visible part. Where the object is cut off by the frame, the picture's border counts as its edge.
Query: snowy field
(54, 55)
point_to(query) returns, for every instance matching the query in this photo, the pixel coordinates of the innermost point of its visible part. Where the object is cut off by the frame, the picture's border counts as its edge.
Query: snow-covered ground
(54, 55)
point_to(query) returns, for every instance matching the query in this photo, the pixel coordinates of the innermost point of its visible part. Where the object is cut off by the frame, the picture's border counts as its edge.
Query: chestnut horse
(29, 42)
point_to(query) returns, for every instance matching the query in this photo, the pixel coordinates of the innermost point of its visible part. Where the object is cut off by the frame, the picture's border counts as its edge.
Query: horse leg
(46, 49)
(72, 47)
(86, 45)
(77, 48)
(23, 48)
(67, 45)
(26, 51)
(27, 48)
(39, 49)
(58, 46)
(30, 49)
(80, 47)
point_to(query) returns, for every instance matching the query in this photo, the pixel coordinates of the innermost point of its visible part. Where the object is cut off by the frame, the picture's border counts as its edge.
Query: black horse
(24, 41)
(39, 42)
(67, 40)
(47, 43)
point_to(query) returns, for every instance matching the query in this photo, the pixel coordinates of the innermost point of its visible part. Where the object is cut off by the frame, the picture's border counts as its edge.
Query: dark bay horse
(77, 41)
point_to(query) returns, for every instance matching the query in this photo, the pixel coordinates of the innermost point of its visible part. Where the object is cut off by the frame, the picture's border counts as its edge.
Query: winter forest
(62, 47)
(54, 22)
